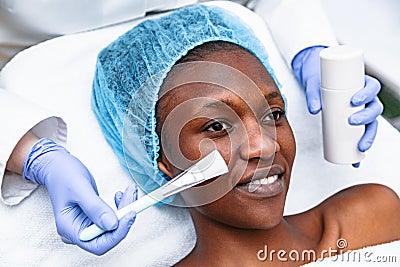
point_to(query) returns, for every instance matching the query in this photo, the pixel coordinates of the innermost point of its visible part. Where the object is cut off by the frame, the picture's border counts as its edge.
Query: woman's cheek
(287, 143)
(224, 146)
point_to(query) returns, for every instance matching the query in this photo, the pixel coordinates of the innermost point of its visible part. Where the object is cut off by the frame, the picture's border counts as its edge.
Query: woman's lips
(264, 183)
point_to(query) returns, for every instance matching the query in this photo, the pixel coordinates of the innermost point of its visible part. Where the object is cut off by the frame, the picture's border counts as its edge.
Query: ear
(165, 167)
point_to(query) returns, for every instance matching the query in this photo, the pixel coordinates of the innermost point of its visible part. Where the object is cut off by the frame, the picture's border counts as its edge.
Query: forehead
(237, 71)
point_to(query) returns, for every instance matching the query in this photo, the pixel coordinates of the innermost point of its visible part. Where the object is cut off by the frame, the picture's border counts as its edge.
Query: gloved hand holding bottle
(306, 67)
(74, 197)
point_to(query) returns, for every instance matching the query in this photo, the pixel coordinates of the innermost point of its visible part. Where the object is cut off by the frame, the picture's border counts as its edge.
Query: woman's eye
(274, 115)
(217, 127)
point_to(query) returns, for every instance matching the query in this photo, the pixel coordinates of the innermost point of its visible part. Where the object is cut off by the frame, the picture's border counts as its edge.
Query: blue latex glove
(74, 197)
(306, 68)
(123, 199)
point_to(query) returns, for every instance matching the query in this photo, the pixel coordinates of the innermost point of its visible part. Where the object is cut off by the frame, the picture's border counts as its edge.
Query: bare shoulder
(364, 215)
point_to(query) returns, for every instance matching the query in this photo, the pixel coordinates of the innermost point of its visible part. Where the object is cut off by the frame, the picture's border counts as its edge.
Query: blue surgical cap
(130, 71)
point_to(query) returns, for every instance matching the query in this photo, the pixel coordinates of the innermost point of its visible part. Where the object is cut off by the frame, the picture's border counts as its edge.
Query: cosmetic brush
(208, 167)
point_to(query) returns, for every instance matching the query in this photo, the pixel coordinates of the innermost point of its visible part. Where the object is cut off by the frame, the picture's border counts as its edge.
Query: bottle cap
(342, 68)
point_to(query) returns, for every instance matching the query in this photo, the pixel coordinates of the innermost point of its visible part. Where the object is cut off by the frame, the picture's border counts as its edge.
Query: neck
(221, 244)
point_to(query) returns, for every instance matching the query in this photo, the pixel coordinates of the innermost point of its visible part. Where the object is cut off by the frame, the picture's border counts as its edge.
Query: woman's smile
(264, 183)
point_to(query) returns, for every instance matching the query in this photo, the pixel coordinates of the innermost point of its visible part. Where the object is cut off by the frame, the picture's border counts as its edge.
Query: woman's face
(236, 108)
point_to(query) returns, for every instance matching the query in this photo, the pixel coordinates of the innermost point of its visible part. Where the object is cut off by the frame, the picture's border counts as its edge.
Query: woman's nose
(259, 143)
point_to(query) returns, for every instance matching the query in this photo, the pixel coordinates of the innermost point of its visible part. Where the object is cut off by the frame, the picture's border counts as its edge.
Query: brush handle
(139, 205)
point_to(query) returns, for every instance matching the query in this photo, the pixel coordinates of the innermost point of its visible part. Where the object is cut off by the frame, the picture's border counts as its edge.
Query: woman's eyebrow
(228, 103)
(216, 104)
(274, 95)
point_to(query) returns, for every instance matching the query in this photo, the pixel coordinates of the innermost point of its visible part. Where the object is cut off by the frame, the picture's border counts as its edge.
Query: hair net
(130, 71)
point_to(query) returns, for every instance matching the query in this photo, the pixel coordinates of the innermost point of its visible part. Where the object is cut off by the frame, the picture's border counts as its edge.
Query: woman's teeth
(253, 185)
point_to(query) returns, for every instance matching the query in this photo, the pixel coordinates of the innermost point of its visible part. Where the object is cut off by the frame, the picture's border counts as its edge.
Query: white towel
(57, 74)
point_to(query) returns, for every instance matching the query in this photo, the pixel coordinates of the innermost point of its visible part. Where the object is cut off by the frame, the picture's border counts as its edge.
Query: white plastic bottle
(342, 75)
